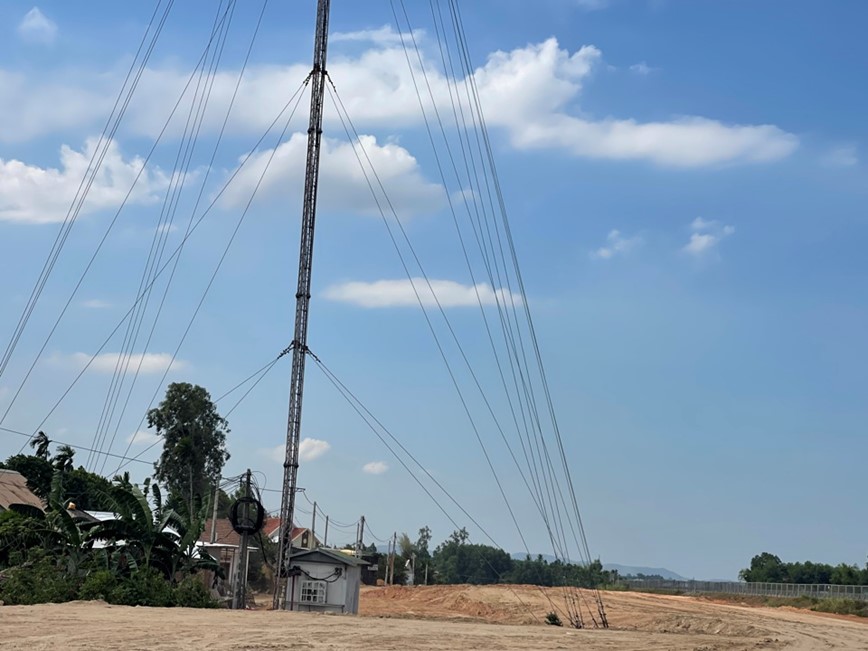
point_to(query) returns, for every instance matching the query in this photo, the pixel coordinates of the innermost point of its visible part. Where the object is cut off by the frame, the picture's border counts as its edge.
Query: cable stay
(293, 102)
(457, 132)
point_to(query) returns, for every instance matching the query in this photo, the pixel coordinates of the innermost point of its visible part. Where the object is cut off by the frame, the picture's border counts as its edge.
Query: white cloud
(384, 35)
(616, 244)
(32, 106)
(96, 304)
(401, 293)
(529, 90)
(166, 228)
(43, 195)
(533, 93)
(107, 362)
(707, 234)
(342, 183)
(375, 467)
(277, 453)
(700, 224)
(841, 156)
(642, 68)
(700, 243)
(143, 437)
(36, 27)
(310, 449)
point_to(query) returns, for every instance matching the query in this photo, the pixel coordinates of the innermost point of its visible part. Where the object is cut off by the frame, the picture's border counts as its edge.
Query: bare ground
(436, 617)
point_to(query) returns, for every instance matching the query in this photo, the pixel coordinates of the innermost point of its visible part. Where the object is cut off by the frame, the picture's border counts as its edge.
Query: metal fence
(817, 591)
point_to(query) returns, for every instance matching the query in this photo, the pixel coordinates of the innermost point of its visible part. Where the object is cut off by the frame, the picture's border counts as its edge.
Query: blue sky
(686, 184)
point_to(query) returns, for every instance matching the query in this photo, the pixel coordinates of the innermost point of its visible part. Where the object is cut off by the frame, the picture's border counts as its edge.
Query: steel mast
(282, 585)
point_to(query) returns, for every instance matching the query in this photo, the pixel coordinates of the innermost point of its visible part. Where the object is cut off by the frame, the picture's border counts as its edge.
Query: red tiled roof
(226, 534)
(272, 525)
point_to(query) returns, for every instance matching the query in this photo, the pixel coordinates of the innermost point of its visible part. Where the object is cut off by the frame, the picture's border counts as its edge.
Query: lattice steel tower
(302, 305)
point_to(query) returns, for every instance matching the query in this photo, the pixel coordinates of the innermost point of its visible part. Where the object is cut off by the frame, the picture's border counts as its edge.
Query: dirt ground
(454, 617)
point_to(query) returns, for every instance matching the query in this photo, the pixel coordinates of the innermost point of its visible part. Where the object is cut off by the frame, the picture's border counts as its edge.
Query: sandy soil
(457, 617)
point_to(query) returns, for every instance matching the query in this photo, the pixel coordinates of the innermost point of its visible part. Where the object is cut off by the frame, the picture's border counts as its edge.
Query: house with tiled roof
(302, 537)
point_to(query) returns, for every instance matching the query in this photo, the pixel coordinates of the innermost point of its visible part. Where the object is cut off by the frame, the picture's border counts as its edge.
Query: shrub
(98, 585)
(842, 607)
(144, 587)
(38, 581)
(552, 619)
(192, 593)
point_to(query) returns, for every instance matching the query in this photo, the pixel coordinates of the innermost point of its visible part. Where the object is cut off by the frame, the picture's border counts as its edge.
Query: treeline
(456, 560)
(768, 568)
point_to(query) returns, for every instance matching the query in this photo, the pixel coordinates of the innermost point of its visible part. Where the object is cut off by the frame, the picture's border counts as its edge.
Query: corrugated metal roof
(13, 490)
(324, 555)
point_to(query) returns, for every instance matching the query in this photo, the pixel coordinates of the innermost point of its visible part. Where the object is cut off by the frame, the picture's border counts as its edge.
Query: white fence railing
(817, 590)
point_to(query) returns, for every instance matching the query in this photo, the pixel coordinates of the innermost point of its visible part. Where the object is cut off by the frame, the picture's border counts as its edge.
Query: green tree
(194, 444)
(85, 489)
(844, 574)
(40, 444)
(423, 557)
(764, 567)
(406, 546)
(457, 561)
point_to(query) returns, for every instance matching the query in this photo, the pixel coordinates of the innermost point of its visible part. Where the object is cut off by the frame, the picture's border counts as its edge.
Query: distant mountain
(633, 570)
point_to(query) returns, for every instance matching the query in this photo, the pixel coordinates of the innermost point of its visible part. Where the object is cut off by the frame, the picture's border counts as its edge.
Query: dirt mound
(418, 621)
(444, 602)
(679, 623)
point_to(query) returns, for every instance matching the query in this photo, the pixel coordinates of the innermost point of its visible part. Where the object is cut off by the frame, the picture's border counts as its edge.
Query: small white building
(325, 580)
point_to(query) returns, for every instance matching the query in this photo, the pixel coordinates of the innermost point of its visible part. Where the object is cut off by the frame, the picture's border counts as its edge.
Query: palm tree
(40, 443)
(63, 458)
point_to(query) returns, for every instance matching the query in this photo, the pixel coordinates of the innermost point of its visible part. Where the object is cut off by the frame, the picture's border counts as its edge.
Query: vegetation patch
(826, 605)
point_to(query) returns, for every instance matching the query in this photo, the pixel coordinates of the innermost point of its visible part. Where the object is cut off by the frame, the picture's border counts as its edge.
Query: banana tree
(144, 536)
(193, 558)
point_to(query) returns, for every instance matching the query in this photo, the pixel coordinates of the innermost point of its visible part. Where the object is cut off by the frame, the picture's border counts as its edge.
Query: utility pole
(282, 584)
(388, 558)
(214, 513)
(313, 528)
(360, 545)
(325, 536)
(239, 600)
(392, 558)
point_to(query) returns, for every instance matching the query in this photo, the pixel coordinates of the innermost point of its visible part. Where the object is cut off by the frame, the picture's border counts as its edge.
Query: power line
(85, 184)
(369, 420)
(161, 234)
(537, 500)
(295, 97)
(475, 104)
(81, 448)
(102, 242)
(202, 186)
(342, 114)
